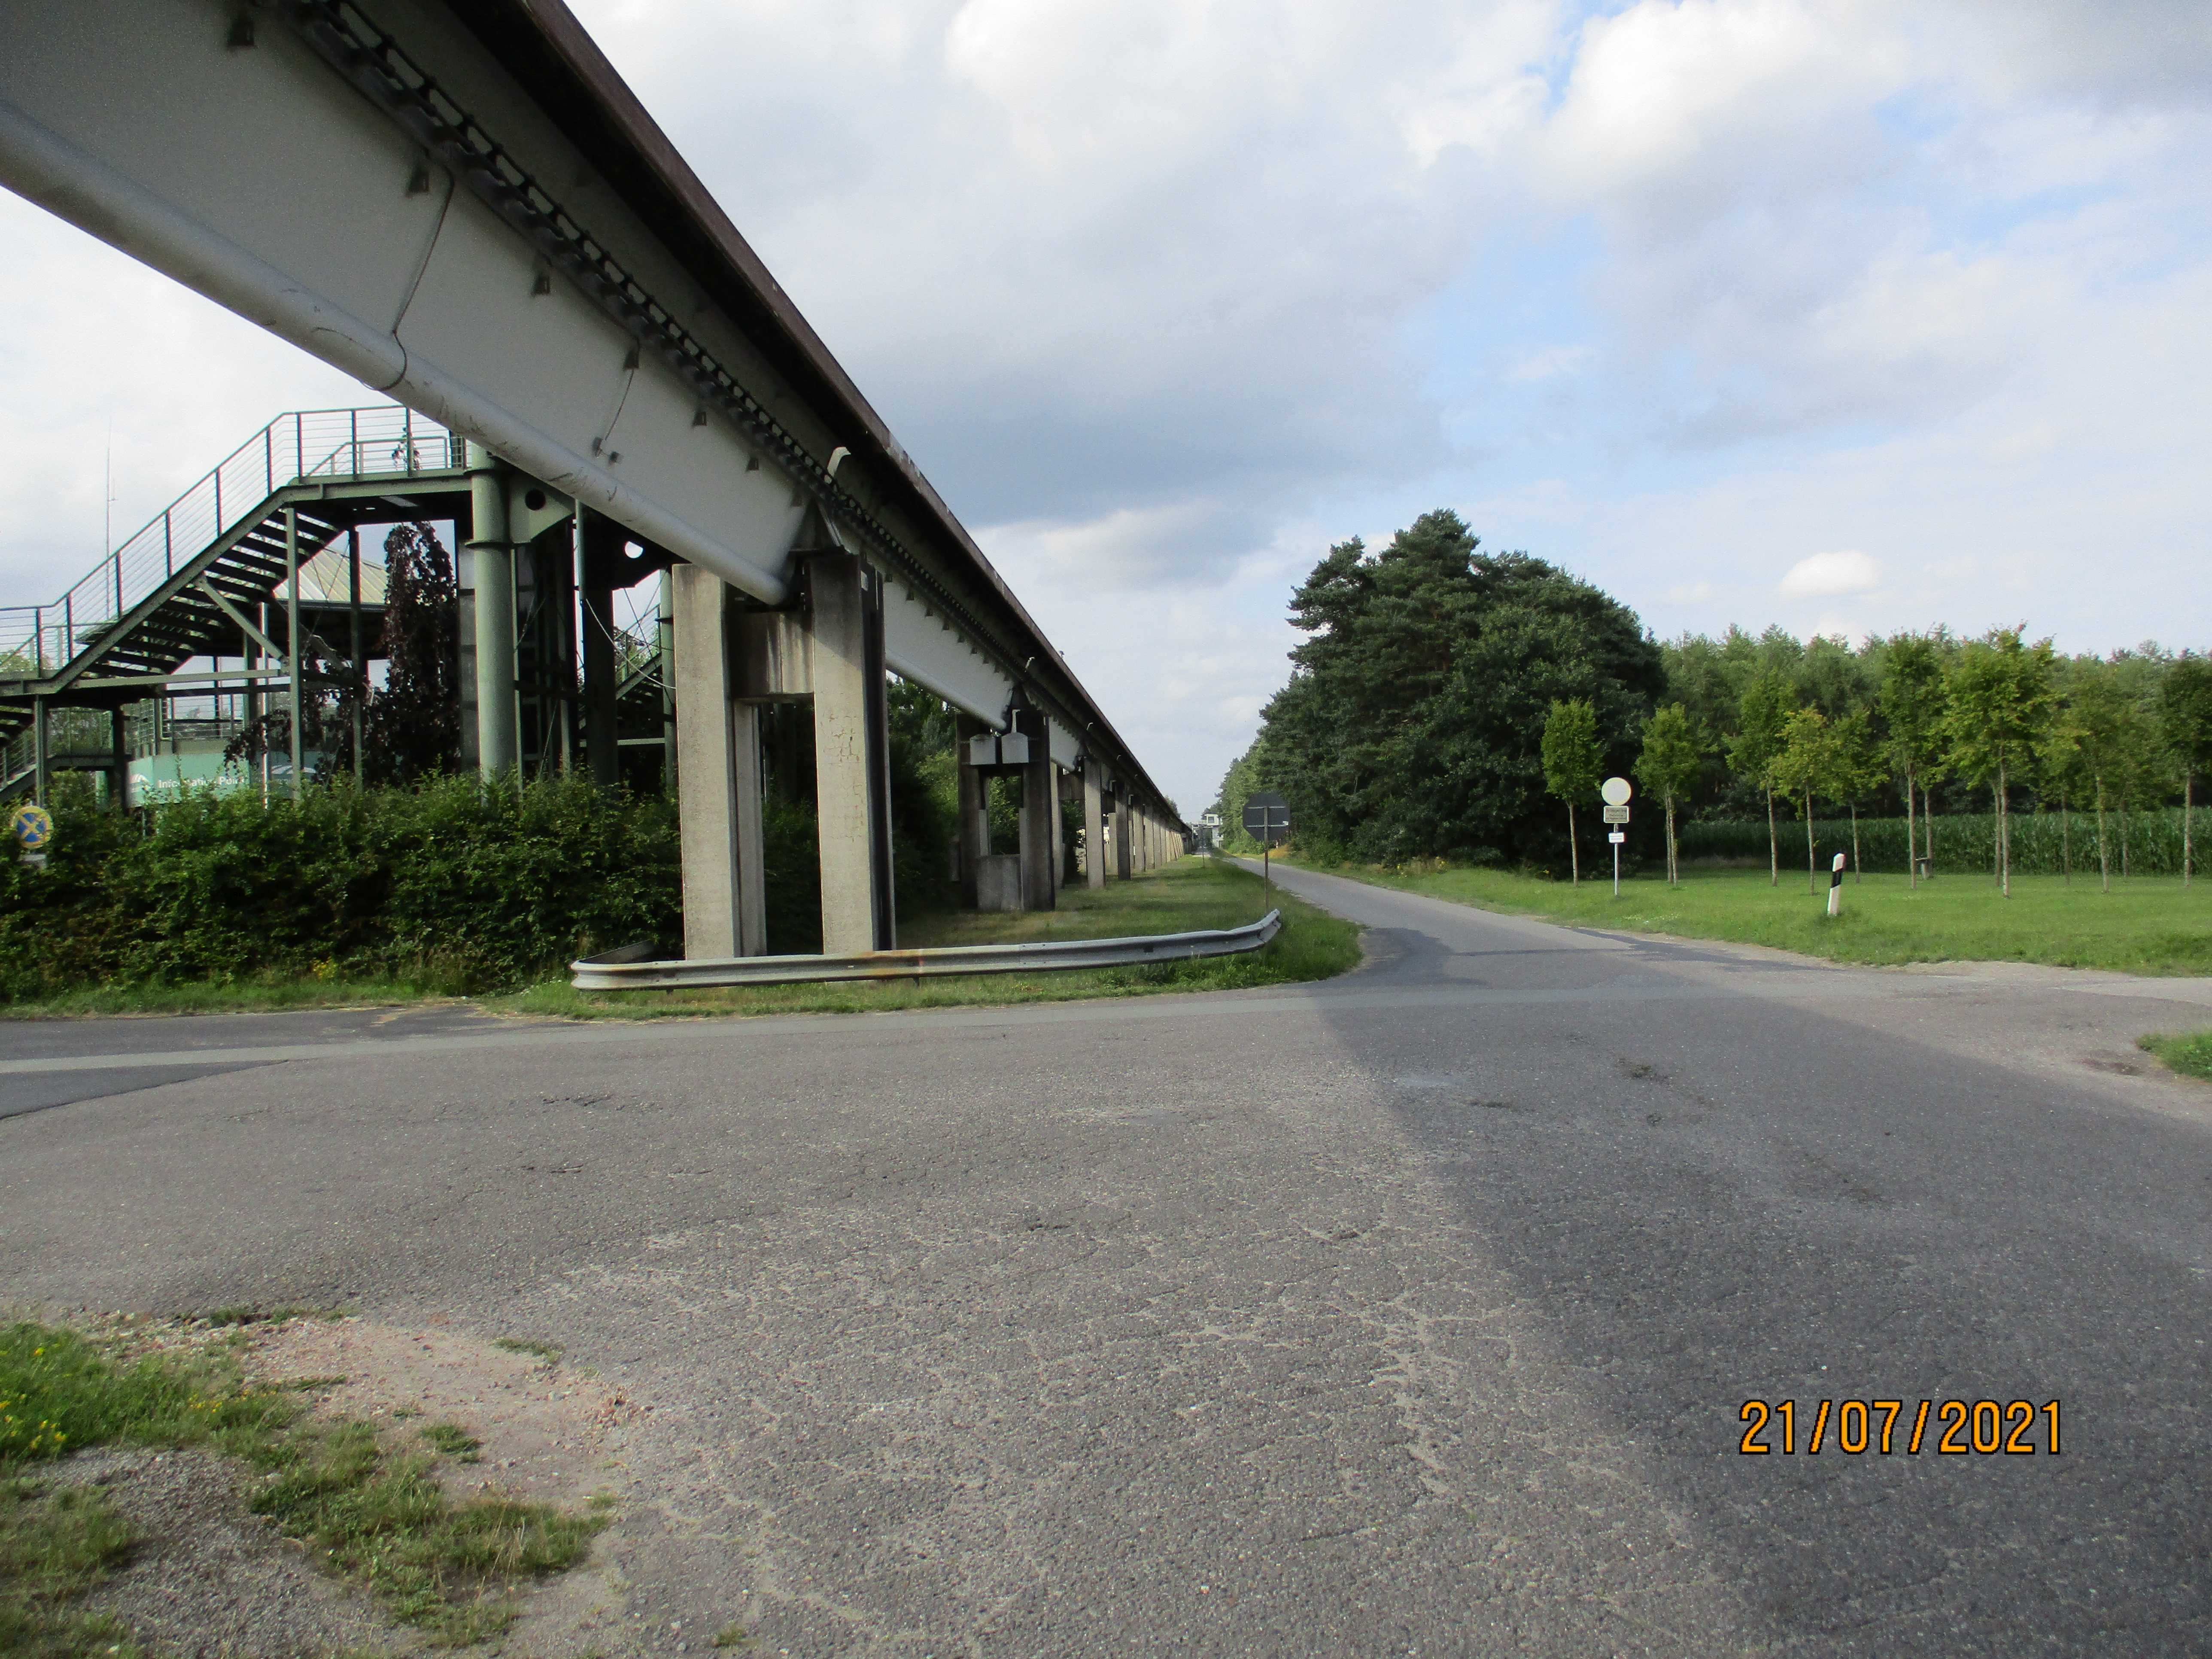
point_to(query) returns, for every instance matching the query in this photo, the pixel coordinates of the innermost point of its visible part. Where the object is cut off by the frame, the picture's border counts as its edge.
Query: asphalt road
(1412, 1313)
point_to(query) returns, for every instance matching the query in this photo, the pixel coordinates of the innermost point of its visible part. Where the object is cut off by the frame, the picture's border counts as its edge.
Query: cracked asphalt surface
(1412, 1313)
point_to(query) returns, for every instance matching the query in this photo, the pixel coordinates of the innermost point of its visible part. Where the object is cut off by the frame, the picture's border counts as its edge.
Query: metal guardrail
(611, 973)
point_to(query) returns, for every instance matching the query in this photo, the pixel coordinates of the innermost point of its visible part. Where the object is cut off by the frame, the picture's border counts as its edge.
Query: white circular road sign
(1615, 792)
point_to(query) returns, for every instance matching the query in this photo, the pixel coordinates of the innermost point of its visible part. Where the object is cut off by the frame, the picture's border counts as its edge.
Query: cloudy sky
(1851, 315)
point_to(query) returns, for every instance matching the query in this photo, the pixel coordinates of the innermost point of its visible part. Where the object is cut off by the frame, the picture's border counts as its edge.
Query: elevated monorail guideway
(460, 203)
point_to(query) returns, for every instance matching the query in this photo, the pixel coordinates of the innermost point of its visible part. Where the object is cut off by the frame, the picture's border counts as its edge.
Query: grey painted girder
(260, 177)
(141, 121)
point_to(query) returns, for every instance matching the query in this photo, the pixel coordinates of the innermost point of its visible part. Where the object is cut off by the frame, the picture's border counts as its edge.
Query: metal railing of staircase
(388, 439)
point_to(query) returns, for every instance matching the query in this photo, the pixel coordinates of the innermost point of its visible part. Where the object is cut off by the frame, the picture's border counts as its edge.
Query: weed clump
(374, 1512)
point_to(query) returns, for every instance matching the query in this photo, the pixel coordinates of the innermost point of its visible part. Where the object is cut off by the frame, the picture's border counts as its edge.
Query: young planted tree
(1669, 767)
(2185, 722)
(2099, 717)
(2141, 770)
(1855, 771)
(1807, 764)
(1912, 703)
(1574, 762)
(2000, 705)
(2060, 770)
(1762, 709)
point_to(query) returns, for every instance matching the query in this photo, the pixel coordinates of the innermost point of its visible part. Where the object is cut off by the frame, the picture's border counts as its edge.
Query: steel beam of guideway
(462, 206)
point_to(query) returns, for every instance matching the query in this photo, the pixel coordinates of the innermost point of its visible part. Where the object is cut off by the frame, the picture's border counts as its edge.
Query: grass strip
(2191, 1056)
(1183, 896)
(2150, 925)
(373, 1511)
(254, 994)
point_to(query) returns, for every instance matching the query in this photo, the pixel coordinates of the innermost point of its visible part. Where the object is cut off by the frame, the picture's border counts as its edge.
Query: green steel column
(40, 783)
(360, 670)
(119, 751)
(292, 647)
(499, 741)
(595, 607)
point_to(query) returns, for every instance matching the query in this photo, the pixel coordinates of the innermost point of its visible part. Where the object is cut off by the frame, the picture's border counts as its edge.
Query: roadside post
(1836, 886)
(1615, 792)
(33, 828)
(1268, 821)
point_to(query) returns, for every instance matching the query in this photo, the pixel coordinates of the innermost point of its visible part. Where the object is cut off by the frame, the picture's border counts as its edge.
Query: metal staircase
(189, 586)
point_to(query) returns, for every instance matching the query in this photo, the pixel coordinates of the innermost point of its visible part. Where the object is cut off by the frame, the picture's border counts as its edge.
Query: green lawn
(2191, 1056)
(1179, 898)
(2146, 926)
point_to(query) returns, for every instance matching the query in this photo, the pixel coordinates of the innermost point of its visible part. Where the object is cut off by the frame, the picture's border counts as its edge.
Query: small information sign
(33, 828)
(1617, 837)
(1616, 815)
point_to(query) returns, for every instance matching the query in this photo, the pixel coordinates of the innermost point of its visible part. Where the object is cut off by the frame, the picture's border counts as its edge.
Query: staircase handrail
(343, 443)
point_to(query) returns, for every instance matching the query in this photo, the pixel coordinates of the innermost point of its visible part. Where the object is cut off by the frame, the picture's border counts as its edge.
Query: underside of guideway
(464, 206)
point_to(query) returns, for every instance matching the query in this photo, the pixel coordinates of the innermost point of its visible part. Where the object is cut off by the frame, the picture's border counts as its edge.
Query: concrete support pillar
(1124, 854)
(974, 830)
(1062, 854)
(596, 600)
(852, 754)
(1040, 845)
(1094, 826)
(498, 740)
(719, 799)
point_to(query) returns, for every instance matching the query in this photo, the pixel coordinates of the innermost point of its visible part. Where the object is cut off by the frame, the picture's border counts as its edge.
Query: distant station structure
(594, 381)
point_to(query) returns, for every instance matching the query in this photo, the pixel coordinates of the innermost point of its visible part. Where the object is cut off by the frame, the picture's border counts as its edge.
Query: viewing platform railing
(36, 640)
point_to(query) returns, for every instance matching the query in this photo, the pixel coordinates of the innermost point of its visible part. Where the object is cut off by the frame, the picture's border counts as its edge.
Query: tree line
(1448, 702)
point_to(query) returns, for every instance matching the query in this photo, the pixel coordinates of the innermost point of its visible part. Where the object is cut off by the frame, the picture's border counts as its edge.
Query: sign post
(1615, 792)
(1268, 821)
(1836, 886)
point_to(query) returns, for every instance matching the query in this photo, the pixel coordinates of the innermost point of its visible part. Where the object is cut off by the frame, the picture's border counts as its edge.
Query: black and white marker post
(1836, 886)
(1614, 793)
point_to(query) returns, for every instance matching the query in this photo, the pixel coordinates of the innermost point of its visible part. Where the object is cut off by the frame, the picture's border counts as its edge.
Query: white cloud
(1826, 575)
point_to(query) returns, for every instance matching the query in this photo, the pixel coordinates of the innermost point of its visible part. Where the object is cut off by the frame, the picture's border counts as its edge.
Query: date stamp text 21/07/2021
(1951, 1428)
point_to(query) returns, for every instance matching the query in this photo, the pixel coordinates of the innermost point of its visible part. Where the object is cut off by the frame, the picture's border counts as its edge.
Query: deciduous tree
(1667, 767)
(2185, 722)
(1574, 761)
(1763, 708)
(1912, 703)
(1806, 765)
(2000, 702)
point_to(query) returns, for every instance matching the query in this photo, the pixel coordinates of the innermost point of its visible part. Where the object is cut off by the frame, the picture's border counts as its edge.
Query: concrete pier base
(1040, 820)
(719, 790)
(974, 838)
(1094, 824)
(852, 754)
